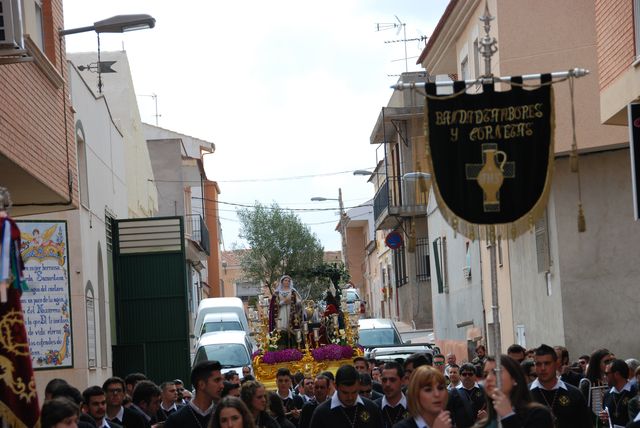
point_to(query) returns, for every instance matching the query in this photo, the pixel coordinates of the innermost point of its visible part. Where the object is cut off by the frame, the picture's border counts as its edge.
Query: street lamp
(362, 172)
(343, 225)
(115, 24)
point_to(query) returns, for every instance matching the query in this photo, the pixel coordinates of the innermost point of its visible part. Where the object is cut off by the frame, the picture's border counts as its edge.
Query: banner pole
(488, 46)
(574, 72)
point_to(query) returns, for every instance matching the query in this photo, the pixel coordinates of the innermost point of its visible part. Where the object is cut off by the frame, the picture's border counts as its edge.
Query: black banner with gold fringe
(491, 155)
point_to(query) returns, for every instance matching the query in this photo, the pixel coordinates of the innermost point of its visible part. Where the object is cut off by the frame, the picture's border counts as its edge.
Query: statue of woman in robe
(285, 310)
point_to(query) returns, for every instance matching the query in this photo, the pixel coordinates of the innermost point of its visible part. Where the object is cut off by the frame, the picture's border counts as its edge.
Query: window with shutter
(542, 244)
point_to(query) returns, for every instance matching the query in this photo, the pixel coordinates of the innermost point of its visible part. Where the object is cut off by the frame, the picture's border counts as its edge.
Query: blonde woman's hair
(421, 377)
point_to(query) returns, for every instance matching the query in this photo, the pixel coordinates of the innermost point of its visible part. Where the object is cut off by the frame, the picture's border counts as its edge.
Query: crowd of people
(537, 388)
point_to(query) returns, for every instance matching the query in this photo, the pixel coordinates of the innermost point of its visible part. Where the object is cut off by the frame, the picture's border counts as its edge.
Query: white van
(231, 348)
(220, 305)
(225, 321)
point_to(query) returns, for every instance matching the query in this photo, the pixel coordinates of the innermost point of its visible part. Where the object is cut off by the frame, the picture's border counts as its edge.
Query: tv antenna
(400, 26)
(155, 100)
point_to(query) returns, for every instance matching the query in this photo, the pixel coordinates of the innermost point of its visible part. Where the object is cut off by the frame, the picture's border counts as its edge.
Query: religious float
(302, 335)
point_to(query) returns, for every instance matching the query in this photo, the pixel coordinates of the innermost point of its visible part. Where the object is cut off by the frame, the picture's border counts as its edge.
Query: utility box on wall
(10, 25)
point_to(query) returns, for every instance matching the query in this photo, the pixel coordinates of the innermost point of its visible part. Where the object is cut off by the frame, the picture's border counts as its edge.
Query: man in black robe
(467, 402)
(114, 389)
(346, 409)
(566, 403)
(616, 400)
(320, 394)
(206, 377)
(393, 405)
(292, 403)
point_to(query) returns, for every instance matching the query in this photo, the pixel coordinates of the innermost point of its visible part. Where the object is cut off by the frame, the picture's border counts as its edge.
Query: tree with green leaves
(279, 244)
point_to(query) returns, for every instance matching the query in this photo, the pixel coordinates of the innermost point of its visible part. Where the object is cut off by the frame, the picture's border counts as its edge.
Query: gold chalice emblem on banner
(490, 174)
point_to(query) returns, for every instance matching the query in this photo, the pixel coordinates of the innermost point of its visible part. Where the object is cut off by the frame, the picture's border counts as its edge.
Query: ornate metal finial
(5, 199)
(488, 45)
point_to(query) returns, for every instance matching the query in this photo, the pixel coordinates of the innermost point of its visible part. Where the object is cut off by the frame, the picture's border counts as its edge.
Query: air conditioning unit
(466, 272)
(10, 25)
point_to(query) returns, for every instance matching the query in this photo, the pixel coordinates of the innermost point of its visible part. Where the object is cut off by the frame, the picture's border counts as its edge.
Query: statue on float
(285, 311)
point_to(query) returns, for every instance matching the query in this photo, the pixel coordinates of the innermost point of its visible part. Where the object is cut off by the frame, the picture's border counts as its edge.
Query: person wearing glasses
(438, 362)
(616, 400)
(583, 362)
(567, 405)
(366, 387)
(467, 402)
(114, 389)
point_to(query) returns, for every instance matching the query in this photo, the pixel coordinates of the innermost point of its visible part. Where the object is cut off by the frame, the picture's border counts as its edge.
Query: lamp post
(115, 24)
(343, 225)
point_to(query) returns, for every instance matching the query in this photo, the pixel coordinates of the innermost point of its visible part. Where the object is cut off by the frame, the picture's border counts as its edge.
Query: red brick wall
(615, 38)
(32, 114)
(356, 250)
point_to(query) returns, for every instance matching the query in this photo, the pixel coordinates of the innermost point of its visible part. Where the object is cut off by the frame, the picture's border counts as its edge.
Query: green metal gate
(151, 301)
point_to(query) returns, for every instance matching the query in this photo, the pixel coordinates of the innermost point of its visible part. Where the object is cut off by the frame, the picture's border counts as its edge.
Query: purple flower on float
(332, 352)
(282, 356)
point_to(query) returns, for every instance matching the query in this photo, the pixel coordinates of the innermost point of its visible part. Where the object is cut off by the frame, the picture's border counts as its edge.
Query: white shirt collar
(198, 410)
(559, 384)
(105, 424)
(335, 401)
(172, 407)
(287, 397)
(637, 419)
(461, 386)
(305, 397)
(626, 387)
(452, 386)
(420, 422)
(403, 401)
(118, 415)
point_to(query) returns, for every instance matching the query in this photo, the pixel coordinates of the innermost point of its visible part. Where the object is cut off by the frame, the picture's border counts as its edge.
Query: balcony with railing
(196, 233)
(398, 197)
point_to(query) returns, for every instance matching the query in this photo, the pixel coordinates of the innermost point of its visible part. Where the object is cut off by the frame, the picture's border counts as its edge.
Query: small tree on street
(279, 242)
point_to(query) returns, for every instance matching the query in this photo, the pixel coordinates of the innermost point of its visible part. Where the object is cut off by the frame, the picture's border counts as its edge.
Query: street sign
(394, 240)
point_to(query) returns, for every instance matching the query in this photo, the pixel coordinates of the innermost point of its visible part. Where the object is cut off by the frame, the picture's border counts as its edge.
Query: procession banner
(46, 304)
(491, 156)
(18, 396)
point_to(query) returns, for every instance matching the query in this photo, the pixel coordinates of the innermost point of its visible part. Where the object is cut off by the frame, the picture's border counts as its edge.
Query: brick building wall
(36, 135)
(616, 46)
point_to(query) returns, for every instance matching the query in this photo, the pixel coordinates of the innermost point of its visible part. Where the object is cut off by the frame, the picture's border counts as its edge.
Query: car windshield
(228, 354)
(221, 326)
(379, 336)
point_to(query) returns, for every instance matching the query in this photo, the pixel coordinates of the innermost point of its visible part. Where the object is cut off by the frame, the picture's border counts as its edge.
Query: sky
(289, 91)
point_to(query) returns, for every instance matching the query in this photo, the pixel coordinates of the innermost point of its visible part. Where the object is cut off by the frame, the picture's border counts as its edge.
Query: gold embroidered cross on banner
(490, 174)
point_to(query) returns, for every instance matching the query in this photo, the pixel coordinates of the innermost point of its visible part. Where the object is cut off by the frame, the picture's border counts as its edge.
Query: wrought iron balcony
(197, 232)
(399, 198)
